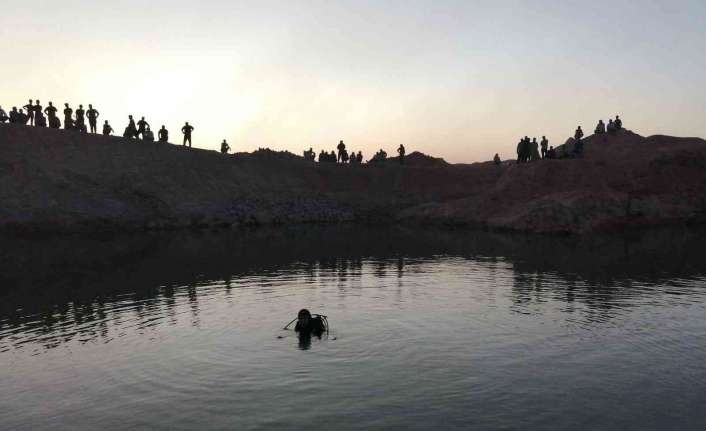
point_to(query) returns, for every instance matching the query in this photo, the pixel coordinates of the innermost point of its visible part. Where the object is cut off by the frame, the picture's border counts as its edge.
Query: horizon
(456, 80)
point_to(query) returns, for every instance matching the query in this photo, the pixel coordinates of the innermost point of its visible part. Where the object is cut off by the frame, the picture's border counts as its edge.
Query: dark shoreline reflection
(68, 282)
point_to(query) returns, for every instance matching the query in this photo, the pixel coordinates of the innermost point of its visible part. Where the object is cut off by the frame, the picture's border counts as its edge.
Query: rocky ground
(54, 180)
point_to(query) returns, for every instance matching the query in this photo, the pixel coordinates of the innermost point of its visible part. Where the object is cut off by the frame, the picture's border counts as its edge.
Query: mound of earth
(56, 180)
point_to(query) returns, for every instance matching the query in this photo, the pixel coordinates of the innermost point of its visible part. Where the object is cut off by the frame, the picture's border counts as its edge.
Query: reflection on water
(469, 329)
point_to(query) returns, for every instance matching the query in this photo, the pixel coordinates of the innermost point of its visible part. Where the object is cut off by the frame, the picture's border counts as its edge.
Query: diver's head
(303, 317)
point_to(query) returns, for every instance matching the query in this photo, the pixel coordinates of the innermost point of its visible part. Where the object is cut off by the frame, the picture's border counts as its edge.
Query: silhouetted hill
(58, 180)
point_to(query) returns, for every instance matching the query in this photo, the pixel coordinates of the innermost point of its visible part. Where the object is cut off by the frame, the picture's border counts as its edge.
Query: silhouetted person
(618, 123)
(310, 155)
(131, 129)
(360, 157)
(147, 134)
(68, 120)
(309, 325)
(81, 118)
(107, 130)
(341, 148)
(30, 112)
(224, 147)
(37, 110)
(534, 150)
(497, 160)
(92, 115)
(401, 152)
(600, 128)
(610, 128)
(39, 119)
(578, 145)
(322, 156)
(163, 134)
(51, 111)
(3, 115)
(14, 115)
(142, 125)
(186, 130)
(551, 154)
(23, 118)
(544, 144)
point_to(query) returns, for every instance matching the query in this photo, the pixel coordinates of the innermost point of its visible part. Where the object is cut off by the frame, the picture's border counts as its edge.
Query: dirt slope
(58, 180)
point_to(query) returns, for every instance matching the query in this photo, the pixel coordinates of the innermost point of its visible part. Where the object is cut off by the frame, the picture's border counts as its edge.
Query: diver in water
(310, 325)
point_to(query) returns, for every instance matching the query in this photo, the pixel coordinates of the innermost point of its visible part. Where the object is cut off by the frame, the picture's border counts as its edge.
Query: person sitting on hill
(224, 147)
(3, 115)
(618, 123)
(578, 145)
(496, 160)
(107, 130)
(578, 134)
(147, 134)
(14, 115)
(611, 127)
(600, 128)
(131, 129)
(39, 119)
(322, 156)
(22, 117)
(163, 134)
(332, 157)
(551, 154)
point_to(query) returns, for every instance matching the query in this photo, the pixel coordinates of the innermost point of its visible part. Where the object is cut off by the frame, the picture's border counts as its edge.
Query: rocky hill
(54, 180)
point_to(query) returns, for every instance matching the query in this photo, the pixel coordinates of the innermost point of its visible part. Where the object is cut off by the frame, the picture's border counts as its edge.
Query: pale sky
(455, 79)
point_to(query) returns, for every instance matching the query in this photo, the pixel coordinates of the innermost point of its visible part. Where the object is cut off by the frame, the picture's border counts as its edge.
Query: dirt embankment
(59, 180)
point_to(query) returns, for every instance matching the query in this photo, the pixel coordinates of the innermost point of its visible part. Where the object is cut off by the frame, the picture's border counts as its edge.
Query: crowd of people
(34, 114)
(530, 150)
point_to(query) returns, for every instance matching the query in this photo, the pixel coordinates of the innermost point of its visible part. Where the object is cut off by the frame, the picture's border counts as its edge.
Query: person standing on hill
(30, 111)
(68, 120)
(37, 111)
(81, 119)
(544, 144)
(401, 152)
(186, 130)
(163, 134)
(92, 115)
(618, 123)
(3, 116)
(51, 114)
(107, 130)
(496, 160)
(341, 149)
(534, 150)
(142, 126)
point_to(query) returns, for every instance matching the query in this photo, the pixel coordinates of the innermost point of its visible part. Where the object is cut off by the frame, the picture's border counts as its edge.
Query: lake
(429, 329)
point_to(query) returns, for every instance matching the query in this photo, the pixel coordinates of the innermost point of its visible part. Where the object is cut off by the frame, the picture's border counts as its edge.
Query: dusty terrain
(54, 180)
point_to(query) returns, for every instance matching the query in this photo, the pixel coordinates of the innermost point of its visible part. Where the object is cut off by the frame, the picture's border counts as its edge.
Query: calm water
(429, 329)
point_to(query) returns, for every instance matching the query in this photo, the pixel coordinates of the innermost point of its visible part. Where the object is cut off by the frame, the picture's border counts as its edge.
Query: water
(429, 329)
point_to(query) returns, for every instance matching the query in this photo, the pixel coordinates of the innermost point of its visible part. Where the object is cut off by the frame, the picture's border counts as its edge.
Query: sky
(461, 80)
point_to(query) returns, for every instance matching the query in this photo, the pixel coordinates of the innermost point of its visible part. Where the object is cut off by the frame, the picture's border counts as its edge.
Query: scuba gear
(312, 322)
